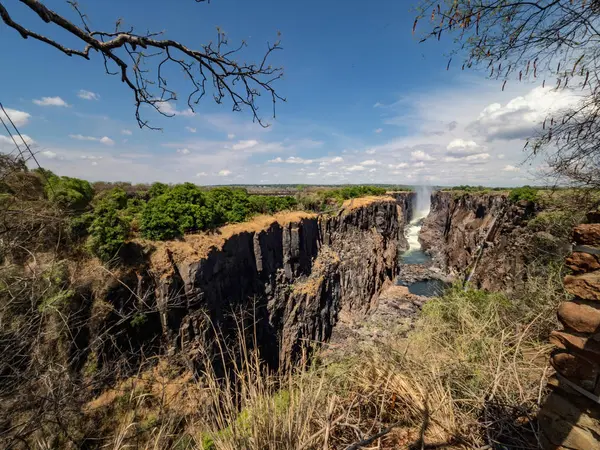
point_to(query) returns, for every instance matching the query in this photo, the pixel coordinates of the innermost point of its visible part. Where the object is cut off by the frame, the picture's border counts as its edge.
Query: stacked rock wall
(570, 417)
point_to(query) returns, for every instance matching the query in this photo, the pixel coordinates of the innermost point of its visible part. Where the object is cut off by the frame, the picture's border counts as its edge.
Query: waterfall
(421, 209)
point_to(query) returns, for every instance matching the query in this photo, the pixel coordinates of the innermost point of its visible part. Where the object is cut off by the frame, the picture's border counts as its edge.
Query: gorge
(300, 273)
(293, 285)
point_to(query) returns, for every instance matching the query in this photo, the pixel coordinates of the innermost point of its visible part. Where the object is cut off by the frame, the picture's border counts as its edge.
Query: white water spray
(421, 209)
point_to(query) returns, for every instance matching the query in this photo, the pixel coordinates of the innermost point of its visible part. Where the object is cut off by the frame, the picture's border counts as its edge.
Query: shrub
(69, 193)
(179, 210)
(110, 228)
(526, 193)
(229, 205)
(157, 189)
(265, 204)
(79, 225)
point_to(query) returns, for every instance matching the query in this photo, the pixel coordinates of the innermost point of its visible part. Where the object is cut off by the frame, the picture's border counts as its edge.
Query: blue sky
(365, 101)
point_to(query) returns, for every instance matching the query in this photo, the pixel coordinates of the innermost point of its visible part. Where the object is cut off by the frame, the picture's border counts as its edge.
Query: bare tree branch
(519, 40)
(240, 83)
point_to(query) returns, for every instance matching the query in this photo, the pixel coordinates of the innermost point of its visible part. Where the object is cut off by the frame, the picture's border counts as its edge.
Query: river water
(415, 254)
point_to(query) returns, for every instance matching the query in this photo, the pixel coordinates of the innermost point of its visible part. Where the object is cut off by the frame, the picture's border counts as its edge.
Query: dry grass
(354, 203)
(471, 374)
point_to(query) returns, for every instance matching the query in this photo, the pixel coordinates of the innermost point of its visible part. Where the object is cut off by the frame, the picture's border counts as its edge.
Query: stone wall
(570, 417)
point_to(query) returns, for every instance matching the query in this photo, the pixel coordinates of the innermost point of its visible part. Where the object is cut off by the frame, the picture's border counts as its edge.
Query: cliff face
(458, 224)
(296, 274)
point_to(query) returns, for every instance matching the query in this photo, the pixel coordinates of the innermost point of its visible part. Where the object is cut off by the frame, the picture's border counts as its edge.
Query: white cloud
(183, 151)
(501, 156)
(50, 101)
(190, 129)
(356, 168)
(370, 151)
(461, 147)
(81, 137)
(170, 109)
(103, 140)
(510, 168)
(231, 136)
(420, 155)
(49, 154)
(87, 95)
(519, 118)
(107, 141)
(477, 157)
(276, 160)
(372, 170)
(337, 159)
(398, 166)
(377, 105)
(378, 130)
(201, 174)
(244, 145)
(90, 157)
(126, 132)
(419, 164)
(224, 173)
(7, 140)
(19, 118)
(369, 162)
(296, 160)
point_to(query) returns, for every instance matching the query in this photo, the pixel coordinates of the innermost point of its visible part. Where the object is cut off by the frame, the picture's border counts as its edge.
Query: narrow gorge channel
(416, 266)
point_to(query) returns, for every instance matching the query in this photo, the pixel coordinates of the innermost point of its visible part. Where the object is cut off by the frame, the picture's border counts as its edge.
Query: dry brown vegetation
(471, 373)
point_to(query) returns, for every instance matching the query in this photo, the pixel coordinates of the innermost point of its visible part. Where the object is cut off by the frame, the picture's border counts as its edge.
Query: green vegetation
(69, 193)
(103, 217)
(110, 226)
(526, 193)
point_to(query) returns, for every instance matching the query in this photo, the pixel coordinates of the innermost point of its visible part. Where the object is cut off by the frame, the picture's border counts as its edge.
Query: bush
(526, 193)
(266, 204)
(157, 189)
(69, 193)
(179, 210)
(229, 205)
(110, 228)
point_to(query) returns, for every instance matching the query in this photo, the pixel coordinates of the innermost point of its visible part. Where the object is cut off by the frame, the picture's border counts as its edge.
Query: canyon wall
(459, 224)
(297, 274)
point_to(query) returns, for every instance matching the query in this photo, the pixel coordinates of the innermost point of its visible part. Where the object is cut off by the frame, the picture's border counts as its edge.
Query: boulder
(587, 234)
(588, 348)
(580, 262)
(575, 369)
(579, 317)
(586, 286)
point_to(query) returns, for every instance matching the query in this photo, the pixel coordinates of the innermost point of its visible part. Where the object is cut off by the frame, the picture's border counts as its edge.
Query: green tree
(157, 189)
(229, 205)
(69, 193)
(180, 210)
(110, 227)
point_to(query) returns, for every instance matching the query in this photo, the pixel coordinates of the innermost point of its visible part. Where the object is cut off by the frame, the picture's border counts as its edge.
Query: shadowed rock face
(296, 279)
(458, 224)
